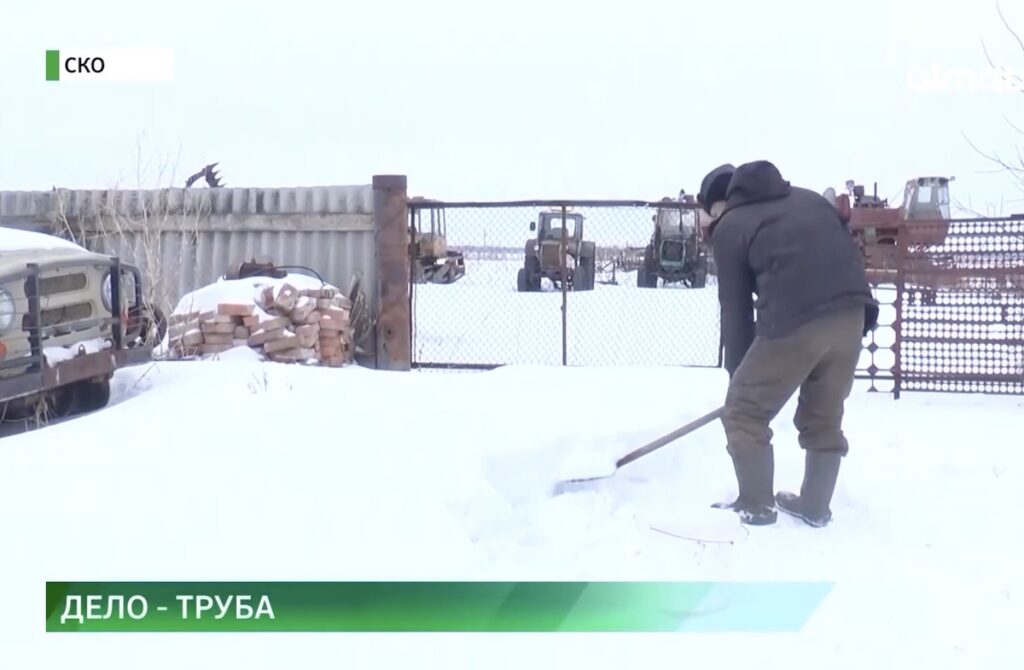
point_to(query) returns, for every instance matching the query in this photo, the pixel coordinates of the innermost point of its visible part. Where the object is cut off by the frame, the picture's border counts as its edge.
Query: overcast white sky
(487, 100)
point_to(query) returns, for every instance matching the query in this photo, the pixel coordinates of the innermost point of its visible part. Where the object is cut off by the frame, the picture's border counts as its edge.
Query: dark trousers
(819, 359)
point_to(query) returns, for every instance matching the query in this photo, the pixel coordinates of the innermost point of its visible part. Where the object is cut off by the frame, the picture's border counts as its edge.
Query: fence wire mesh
(962, 308)
(573, 283)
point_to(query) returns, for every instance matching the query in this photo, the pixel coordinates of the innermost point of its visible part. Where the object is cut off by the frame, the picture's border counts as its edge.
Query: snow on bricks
(283, 322)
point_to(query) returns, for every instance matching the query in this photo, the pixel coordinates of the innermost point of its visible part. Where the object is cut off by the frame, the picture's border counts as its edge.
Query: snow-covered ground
(483, 319)
(242, 470)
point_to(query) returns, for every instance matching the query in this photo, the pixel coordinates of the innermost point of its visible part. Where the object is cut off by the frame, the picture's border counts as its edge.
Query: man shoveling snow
(814, 306)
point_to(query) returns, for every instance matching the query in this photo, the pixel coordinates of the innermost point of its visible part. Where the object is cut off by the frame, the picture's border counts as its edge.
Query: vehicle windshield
(674, 221)
(932, 201)
(555, 226)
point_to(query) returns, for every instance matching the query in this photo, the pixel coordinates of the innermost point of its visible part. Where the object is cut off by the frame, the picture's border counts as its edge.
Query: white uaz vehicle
(68, 319)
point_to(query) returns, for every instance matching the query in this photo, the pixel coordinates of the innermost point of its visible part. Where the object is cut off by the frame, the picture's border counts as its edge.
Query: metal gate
(469, 309)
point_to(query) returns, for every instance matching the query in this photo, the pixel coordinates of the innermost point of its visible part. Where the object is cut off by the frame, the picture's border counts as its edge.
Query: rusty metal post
(390, 216)
(565, 290)
(897, 326)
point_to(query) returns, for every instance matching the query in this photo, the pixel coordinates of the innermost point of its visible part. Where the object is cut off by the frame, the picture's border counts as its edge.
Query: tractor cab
(926, 198)
(675, 234)
(429, 230)
(676, 251)
(551, 229)
(544, 257)
(435, 263)
(876, 225)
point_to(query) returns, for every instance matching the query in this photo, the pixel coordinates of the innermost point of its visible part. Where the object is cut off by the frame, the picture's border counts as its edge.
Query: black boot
(755, 474)
(821, 470)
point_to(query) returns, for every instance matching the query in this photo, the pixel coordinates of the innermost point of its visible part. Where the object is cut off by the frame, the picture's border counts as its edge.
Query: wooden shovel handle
(671, 437)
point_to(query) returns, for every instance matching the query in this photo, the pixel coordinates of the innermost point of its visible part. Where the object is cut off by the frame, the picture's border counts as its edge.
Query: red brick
(191, 338)
(218, 338)
(261, 337)
(307, 335)
(235, 309)
(265, 298)
(285, 297)
(304, 306)
(273, 324)
(213, 327)
(282, 343)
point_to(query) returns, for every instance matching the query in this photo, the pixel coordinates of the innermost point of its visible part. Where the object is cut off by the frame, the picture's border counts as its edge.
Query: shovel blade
(569, 485)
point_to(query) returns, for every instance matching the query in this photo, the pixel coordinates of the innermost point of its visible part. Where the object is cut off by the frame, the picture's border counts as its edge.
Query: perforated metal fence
(962, 309)
(510, 289)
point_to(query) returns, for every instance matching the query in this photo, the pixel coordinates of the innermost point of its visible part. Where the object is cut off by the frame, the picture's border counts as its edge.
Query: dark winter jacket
(789, 246)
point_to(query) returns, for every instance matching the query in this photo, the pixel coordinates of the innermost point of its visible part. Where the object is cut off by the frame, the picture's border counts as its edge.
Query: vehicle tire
(646, 277)
(700, 274)
(641, 277)
(61, 402)
(590, 262)
(523, 281)
(91, 396)
(533, 273)
(579, 278)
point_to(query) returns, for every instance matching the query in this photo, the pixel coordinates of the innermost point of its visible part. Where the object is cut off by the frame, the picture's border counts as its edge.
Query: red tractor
(875, 225)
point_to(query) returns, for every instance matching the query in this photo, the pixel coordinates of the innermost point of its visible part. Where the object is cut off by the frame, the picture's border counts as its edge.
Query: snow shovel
(566, 485)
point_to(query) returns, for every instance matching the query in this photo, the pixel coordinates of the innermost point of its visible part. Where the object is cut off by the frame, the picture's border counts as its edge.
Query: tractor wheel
(700, 274)
(533, 273)
(641, 277)
(523, 281)
(586, 269)
(583, 278)
(646, 277)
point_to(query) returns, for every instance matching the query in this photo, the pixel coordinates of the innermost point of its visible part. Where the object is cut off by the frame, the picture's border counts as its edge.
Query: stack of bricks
(291, 326)
(213, 332)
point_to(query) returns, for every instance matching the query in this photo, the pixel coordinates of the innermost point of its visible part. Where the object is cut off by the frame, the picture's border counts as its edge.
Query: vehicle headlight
(127, 291)
(105, 291)
(7, 311)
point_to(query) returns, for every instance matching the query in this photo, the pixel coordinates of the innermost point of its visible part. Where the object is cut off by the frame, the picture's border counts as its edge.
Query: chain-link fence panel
(466, 309)
(645, 295)
(561, 283)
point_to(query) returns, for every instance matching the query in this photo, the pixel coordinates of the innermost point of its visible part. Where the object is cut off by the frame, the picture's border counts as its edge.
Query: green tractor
(544, 258)
(676, 252)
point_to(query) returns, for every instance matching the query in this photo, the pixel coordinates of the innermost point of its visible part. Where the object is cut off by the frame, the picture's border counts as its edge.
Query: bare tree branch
(1020, 42)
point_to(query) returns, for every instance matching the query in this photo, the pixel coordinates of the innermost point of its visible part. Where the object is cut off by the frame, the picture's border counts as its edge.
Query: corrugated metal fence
(184, 238)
